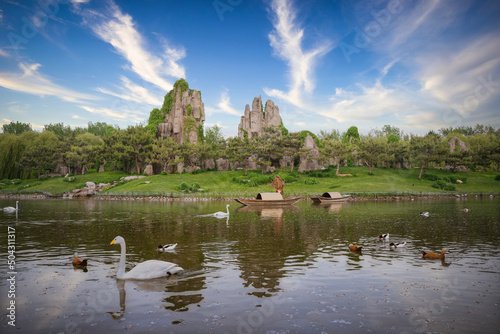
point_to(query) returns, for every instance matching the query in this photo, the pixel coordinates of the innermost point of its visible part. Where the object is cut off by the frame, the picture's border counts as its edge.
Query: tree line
(25, 153)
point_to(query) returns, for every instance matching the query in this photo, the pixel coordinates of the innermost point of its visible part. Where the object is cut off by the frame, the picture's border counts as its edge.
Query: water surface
(262, 270)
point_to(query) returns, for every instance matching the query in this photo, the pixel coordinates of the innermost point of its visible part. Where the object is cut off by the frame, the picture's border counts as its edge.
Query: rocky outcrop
(456, 145)
(184, 114)
(310, 160)
(254, 121)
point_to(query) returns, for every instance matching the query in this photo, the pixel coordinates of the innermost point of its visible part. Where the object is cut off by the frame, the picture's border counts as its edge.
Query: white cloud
(30, 81)
(120, 31)
(286, 41)
(224, 106)
(132, 92)
(113, 114)
(463, 79)
(368, 103)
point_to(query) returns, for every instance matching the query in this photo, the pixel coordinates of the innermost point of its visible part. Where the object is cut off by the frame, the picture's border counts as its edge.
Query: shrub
(431, 177)
(290, 178)
(163, 173)
(449, 187)
(5, 181)
(497, 178)
(311, 180)
(439, 184)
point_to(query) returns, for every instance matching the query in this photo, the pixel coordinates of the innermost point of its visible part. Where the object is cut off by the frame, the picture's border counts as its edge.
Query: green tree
(371, 148)
(140, 142)
(428, 149)
(351, 136)
(164, 152)
(340, 150)
(239, 151)
(16, 128)
(41, 154)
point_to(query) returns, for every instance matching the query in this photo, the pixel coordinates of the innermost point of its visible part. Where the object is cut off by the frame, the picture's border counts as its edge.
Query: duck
(222, 214)
(433, 256)
(10, 209)
(465, 210)
(393, 245)
(77, 262)
(424, 214)
(145, 270)
(166, 248)
(355, 248)
(383, 237)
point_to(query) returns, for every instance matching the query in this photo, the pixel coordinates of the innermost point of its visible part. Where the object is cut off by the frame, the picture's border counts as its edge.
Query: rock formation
(456, 145)
(310, 161)
(184, 114)
(254, 121)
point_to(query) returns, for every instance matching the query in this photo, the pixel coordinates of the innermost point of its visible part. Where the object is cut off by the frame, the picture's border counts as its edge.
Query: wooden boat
(330, 197)
(268, 199)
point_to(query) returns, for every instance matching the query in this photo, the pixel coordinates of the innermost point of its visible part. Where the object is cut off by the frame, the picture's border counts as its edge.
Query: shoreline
(204, 199)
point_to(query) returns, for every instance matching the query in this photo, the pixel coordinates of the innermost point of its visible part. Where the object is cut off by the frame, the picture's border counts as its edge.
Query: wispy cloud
(119, 30)
(286, 41)
(366, 103)
(223, 106)
(132, 92)
(113, 114)
(31, 81)
(470, 74)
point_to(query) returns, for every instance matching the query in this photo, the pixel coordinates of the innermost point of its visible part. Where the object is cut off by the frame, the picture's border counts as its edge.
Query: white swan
(222, 214)
(10, 209)
(144, 270)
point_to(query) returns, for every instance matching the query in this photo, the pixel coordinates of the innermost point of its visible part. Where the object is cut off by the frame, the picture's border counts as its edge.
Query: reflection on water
(239, 269)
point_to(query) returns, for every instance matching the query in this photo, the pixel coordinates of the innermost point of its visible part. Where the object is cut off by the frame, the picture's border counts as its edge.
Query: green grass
(236, 184)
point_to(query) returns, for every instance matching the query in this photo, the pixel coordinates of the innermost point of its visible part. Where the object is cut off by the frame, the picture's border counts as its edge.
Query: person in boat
(278, 184)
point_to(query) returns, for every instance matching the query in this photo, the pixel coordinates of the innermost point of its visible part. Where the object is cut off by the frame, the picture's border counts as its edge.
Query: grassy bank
(215, 184)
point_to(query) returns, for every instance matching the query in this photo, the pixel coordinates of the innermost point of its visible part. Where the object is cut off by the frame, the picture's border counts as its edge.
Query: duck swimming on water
(433, 256)
(77, 262)
(355, 248)
(383, 237)
(393, 245)
(166, 248)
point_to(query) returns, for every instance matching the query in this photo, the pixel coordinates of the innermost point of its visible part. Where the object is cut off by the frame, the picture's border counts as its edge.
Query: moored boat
(268, 199)
(330, 197)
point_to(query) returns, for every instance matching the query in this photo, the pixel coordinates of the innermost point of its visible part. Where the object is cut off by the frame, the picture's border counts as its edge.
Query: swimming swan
(222, 214)
(144, 270)
(11, 209)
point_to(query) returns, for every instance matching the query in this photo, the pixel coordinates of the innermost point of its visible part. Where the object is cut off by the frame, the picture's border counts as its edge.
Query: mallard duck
(77, 262)
(10, 209)
(222, 214)
(144, 270)
(424, 214)
(433, 256)
(383, 237)
(397, 244)
(355, 248)
(166, 248)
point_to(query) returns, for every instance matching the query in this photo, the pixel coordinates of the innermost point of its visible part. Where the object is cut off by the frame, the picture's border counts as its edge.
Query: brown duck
(433, 256)
(77, 262)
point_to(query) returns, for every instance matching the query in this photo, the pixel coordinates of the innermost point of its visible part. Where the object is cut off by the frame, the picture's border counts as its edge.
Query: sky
(327, 65)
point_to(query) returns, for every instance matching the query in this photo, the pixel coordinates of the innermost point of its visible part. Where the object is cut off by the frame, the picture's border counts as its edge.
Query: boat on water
(268, 199)
(330, 197)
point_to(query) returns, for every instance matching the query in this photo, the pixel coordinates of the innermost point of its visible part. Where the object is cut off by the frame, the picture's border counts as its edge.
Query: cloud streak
(286, 41)
(119, 30)
(31, 81)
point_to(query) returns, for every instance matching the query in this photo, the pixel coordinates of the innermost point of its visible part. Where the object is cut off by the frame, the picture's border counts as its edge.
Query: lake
(262, 270)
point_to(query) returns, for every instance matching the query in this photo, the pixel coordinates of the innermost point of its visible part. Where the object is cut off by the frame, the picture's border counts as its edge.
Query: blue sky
(417, 65)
